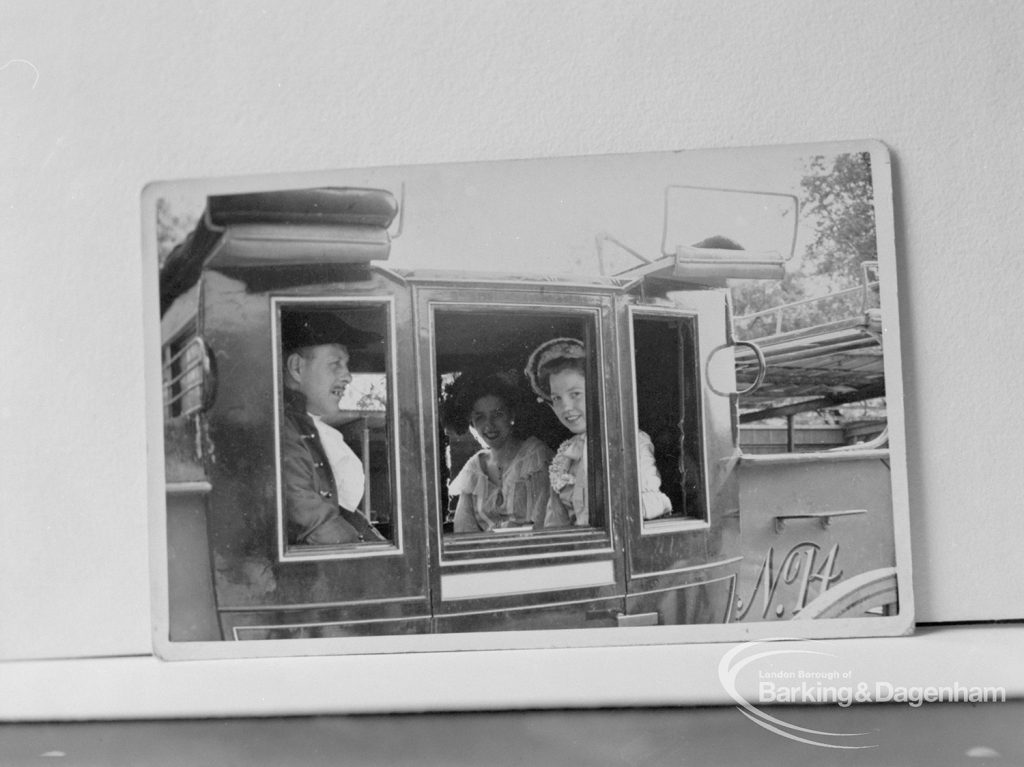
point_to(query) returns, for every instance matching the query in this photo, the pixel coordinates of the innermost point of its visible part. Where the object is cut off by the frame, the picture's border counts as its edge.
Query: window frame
(552, 545)
(673, 524)
(288, 553)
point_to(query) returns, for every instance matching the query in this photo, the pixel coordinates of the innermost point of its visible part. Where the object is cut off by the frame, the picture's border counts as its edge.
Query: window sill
(660, 526)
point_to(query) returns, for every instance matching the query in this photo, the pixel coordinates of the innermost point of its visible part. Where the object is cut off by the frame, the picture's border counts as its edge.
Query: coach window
(670, 468)
(498, 436)
(336, 428)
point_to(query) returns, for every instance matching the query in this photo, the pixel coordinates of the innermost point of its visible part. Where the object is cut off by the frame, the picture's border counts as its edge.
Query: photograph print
(610, 400)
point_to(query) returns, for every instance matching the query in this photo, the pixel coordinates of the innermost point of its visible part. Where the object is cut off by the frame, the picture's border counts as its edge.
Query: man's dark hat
(315, 328)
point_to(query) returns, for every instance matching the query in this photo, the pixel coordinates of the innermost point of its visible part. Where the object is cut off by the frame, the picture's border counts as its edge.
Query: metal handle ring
(762, 367)
(758, 380)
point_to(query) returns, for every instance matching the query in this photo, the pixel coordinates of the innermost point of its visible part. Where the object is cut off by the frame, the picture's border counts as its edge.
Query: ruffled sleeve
(568, 477)
(653, 502)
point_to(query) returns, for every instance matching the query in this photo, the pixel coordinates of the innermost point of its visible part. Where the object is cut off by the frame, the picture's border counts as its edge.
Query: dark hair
(458, 398)
(558, 365)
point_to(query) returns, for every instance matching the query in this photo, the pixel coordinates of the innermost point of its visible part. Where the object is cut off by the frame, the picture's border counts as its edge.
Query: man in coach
(322, 477)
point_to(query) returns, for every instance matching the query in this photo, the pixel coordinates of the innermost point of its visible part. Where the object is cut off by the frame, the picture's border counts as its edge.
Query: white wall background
(98, 99)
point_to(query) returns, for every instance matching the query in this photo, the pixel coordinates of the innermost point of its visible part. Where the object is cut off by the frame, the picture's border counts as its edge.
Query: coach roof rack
(324, 225)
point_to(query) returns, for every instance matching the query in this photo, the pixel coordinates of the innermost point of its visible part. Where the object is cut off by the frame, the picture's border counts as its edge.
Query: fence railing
(774, 319)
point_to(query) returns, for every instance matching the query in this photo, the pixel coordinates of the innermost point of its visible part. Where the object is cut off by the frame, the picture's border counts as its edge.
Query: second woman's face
(491, 420)
(569, 399)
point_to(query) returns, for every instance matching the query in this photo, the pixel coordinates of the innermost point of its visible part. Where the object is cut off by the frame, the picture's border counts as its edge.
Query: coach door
(509, 575)
(682, 538)
(271, 582)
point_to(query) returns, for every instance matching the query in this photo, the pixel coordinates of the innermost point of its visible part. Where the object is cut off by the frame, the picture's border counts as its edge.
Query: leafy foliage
(838, 203)
(840, 199)
(366, 392)
(171, 228)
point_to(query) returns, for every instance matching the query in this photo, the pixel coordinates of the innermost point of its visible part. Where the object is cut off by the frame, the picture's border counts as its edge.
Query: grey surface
(938, 734)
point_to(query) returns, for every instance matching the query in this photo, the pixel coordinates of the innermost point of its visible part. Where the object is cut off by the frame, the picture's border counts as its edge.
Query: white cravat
(345, 465)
